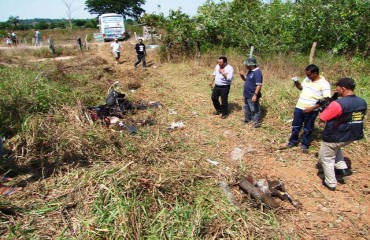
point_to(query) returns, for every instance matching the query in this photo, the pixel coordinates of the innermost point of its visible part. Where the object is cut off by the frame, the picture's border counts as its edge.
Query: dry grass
(84, 181)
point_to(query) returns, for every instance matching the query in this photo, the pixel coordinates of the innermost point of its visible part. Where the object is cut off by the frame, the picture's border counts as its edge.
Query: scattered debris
(237, 154)
(250, 149)
(172, 111)
(247, 185)
(212, 162)
(263, 190)
(116, 107)
(226, 189)
(176, 125)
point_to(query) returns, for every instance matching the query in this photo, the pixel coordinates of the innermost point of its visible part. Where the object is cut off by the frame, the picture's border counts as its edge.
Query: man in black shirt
(141, 52)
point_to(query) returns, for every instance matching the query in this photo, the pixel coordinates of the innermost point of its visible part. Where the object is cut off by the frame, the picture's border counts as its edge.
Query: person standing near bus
(140, 52)
(116, 49)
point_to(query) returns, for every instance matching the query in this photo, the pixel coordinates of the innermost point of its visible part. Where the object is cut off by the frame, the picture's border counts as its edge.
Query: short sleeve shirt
(116, 47)
(312, 91)
(252, 79)
(220, 80)
(140, 48)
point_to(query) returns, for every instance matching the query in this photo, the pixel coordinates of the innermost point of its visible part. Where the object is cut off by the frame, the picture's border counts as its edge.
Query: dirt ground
(343, 214)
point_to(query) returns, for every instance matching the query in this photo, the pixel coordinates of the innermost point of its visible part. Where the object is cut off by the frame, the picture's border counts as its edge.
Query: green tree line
(14, 23)
(339, 26)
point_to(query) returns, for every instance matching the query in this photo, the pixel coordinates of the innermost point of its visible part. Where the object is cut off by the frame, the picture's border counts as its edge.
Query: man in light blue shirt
(221, 80)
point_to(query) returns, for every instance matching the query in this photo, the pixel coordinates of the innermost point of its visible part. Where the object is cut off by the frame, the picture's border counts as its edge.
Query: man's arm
(212, 81)
(242, 75)
(298, 85)
(258, 89)
(332, 111)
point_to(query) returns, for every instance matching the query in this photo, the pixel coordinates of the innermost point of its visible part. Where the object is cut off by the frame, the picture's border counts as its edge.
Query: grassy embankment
(82, 180)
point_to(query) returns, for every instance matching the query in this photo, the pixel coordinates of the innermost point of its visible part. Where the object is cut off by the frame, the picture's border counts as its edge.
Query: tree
(128, 8)
(14, 20)
(69, 11)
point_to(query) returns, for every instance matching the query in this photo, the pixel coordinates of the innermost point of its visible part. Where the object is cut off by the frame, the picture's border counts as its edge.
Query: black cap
(348, 83)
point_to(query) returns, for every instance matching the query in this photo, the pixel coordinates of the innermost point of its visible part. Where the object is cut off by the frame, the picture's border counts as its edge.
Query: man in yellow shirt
(313, 88)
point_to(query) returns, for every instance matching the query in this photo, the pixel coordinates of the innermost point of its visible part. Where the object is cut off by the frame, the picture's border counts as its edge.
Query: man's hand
(309, 109)
(223, 73)
(254, 98)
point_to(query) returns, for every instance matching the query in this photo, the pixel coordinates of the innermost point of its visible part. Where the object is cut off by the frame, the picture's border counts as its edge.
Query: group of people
(222, 77)
(343, 117)
(116, 48)
(11, 39)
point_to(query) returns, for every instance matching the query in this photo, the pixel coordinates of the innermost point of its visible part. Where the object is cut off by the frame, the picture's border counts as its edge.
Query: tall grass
(84, 181)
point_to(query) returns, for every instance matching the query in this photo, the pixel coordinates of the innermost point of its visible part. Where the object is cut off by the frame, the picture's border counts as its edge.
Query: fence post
(251, 51)
(312, 53)
(198, 52)
(51, 45)
(79, 43)
(86, 44)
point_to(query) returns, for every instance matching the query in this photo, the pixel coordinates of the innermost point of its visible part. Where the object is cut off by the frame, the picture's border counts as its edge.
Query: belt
(222, 86)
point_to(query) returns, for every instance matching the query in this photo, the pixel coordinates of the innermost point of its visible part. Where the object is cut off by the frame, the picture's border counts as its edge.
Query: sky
(55, 9)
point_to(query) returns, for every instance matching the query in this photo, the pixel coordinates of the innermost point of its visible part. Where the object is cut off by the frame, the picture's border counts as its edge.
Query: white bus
(111, 26)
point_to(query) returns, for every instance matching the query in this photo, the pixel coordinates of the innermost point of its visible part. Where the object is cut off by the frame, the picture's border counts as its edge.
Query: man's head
(312, 72)
(345, 86)
(222, 61)
(116, 40)
(140, 39)
(250, 63)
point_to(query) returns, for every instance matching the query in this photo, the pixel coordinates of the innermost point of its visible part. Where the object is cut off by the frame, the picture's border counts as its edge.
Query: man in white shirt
(221, 80)
(116, 49)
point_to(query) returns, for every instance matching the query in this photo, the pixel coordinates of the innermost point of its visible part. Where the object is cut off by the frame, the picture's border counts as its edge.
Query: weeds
(84, 181)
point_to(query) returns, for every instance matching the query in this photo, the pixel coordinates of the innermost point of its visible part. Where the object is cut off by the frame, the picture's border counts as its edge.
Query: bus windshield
(112, 19)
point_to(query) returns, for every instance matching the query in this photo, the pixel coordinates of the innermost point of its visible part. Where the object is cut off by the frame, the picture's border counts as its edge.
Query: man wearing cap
(252, 92)
(344, 119)
(116, 49)
(222, 77)
(313, 88)
(140, 52)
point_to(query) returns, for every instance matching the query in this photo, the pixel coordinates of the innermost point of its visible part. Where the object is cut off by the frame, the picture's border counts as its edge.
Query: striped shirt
(312, 91)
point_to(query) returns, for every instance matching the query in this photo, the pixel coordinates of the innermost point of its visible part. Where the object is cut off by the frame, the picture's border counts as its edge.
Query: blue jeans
(308, 121)
(252, 110)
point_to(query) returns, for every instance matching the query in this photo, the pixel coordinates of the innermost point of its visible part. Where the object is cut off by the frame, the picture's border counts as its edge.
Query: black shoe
(216, 113)
(289, 145)
(343, 172)
(224, 116)
(341, 180)
(256, 125)
(330, 188)
(304, 150)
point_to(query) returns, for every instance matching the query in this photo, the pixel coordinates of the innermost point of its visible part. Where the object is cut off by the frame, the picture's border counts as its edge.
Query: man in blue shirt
(221, 80)
(252, 92)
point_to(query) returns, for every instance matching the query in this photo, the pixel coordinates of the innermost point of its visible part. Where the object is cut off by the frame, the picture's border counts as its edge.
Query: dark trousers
(140, 57)
(307, 120)
(223, 92)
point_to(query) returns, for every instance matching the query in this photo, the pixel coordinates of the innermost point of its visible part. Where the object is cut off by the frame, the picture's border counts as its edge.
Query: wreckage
(117, 106)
